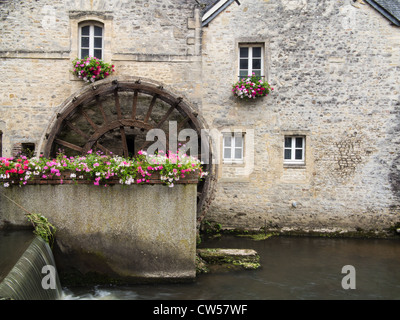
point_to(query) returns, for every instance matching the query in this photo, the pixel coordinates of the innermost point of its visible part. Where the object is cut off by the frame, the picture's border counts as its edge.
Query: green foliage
(251, 87)
(91, 69)
(97, 167)
(43, 228)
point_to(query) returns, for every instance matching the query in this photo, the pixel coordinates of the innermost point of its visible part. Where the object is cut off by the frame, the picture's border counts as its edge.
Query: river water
(298, 268)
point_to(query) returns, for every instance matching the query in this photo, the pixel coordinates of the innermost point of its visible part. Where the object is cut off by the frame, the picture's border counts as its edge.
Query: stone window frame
(250, 57)
(233, 134)
(264, 43)
(293, 148)
(79, 18)
(305, 134)
(91, 36)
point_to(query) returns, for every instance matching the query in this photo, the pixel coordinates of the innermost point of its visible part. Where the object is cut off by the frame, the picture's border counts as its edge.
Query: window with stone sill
(251, 60)
(91, 40)
(233, 148)
(294, 150)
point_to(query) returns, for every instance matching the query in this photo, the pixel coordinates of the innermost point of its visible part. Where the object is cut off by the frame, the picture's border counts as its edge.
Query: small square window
(294, 150)
(233, 143)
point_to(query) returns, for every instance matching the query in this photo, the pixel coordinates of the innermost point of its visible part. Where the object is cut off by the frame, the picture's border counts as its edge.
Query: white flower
(6, 185)
(73, 175)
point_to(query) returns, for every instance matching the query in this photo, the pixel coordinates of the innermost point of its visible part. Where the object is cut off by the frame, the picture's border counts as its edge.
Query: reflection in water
(292, 268)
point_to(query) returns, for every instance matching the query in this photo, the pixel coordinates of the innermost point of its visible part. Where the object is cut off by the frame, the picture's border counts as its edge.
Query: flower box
(91, 69)
(251, 88)
(98, 169)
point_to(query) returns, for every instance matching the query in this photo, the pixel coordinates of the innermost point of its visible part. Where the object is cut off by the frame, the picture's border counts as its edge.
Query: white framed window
(233, 147)
(251, 60)
(91, 37)
(294, 150)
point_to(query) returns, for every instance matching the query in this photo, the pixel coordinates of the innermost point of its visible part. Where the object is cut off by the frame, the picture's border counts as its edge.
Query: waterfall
(34, 276)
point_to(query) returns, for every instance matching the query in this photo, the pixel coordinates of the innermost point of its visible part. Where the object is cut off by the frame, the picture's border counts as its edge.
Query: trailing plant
(100, 168)
(251, 87)
(91, 69)
(43, 228)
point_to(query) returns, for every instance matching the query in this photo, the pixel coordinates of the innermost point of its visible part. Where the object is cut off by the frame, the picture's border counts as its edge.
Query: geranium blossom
(90, 69)
(251, 87)
(100, 168)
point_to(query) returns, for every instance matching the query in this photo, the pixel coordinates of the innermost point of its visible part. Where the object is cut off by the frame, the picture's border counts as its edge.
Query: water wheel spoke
(159, 124)
(146, 143)
(182, 123)
(165, 117)
(134, 105)
(152, 103)
(100, 106)
(117, 104)
(68, 145)
(88, 119)
(124, 141)
(102, 148)
(76, 129)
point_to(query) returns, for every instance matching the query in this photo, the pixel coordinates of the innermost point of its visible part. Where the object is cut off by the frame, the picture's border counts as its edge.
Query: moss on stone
(247, 259)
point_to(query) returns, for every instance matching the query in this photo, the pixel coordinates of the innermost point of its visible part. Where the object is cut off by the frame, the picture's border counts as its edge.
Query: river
(300, 268)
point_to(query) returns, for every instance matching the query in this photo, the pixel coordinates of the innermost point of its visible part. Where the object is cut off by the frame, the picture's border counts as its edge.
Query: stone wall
(335, 71)
(125, 233)
(39, 40)
(334, 68)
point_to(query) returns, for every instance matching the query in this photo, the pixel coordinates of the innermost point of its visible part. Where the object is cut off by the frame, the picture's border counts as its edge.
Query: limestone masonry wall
(334, 68)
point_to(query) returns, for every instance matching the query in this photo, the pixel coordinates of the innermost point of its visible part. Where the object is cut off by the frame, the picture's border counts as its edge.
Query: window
(251, 60)
(1, 143)
(233, 147)
(28, 149)
(294, 147)
(91, 40)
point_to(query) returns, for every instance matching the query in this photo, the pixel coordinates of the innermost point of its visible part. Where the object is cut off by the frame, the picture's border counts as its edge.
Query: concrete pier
(123, 233)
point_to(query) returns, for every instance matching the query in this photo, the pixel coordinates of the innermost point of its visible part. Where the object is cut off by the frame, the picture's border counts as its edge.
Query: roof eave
(384, 12)
(214, 11)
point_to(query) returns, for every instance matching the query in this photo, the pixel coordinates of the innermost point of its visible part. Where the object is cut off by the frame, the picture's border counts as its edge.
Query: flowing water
(292, 268)
(25, 261)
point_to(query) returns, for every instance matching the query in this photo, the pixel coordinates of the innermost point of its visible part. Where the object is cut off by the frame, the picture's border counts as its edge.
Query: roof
(388, 8)
(212, 8)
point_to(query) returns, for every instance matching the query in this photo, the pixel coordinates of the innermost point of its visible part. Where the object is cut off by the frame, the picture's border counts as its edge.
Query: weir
(124, 234)
(30, 278)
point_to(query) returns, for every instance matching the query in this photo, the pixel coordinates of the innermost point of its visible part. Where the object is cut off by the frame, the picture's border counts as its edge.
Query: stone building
(321, 152)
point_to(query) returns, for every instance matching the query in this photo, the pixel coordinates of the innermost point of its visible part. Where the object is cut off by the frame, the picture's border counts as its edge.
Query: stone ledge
(217, 259)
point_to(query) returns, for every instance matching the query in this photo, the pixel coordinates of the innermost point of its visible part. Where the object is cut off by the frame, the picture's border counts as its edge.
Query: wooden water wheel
(114, 116)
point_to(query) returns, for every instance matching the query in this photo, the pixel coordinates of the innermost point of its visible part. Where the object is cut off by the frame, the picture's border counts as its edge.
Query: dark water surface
(292, 268)
(12, 245)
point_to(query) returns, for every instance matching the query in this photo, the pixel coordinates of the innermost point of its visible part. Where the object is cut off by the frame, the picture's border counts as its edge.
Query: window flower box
(98, 169)
(251, 88)
(91, 69)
